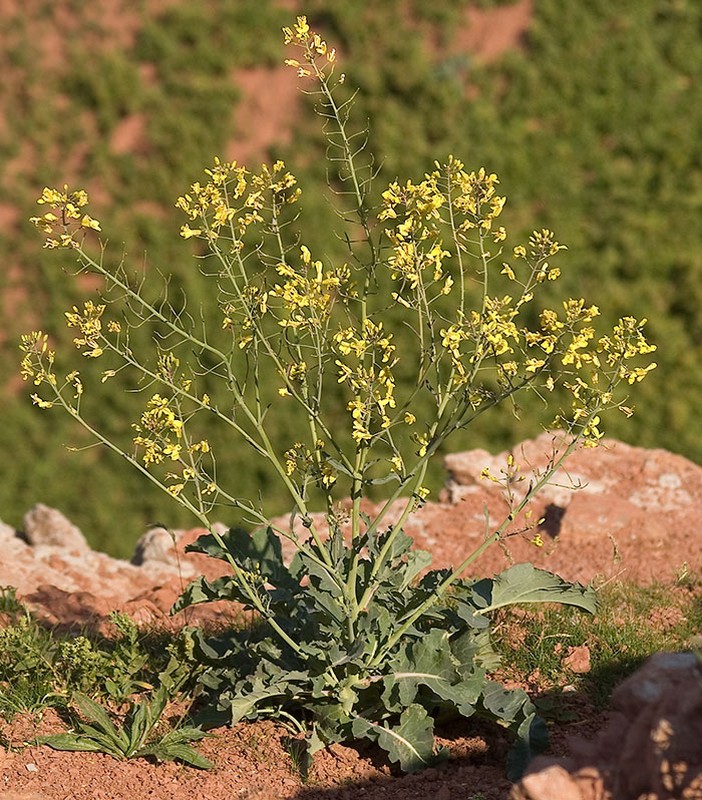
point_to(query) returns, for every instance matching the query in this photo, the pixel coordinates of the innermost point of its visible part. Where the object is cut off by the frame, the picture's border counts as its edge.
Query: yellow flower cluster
(571, 336)
(293, 373)
(301, 461)
(38, 364)
(542, 245)
(472, 196)
(476, 199)
(89, 324)
(495, 327)
(627, 342)
(493, 333)
(370, 379)
(163, 431)
(38, 360)
(65, 219)
(233, 198)
(417, 249)
(191, 473)
(317, 55)
(308, 294)
(162, 436)
(609, 361)
(468, 200)
(241, 317)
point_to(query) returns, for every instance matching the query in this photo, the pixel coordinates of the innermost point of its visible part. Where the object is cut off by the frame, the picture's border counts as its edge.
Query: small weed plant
(136, 736)
(297, 359)
(115, 691)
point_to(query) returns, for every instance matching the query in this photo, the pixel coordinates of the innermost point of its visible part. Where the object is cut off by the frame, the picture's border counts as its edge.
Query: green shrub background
(593, 126)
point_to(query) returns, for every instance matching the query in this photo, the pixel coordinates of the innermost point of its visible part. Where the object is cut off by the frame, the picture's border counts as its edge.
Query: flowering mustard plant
(362, 640)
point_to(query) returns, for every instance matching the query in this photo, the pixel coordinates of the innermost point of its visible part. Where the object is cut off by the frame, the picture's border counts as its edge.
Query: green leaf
(426, 661)
(165, 750)
(259, 551)
(139, 728)
(417, 560)
(411, 743)
(96, 714)
(532, 738)
(505, 704)
(203, 591)
(188, 754)
(524, 583)
(473, 650)
(242, 705)
(71, 741)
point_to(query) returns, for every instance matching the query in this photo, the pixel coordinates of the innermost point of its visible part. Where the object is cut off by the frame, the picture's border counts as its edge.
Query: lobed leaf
(524, 583)
(411, 743)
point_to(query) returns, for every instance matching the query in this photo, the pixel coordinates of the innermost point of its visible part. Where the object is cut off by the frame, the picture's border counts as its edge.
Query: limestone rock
(552, 782)
(7, 532)
(47, 526)
(157, 544)
(649, 748)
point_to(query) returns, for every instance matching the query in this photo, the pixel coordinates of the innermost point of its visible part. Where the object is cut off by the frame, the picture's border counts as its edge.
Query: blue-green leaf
(411, 743)
(524, 583)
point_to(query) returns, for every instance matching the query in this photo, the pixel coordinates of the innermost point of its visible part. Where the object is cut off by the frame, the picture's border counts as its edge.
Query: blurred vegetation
(592, 125)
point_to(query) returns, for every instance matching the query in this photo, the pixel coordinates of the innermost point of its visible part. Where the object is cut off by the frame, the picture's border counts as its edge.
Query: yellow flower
(41, 403)
(533, 364)
(360, 433)
(89, 222)
(172, 451)
(187, 232)
(398, 464)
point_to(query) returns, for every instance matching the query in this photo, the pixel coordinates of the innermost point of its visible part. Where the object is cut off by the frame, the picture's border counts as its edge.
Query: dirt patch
(265, 113)
(488, 33)
(253, 761)
(129, 135)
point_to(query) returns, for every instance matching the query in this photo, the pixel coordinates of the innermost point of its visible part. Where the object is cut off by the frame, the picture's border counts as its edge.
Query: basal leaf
(165, 750)
(140, 726)
(531, 738)
(96, 714)
(425, 661)
(411, 742)
(242, 705)
(505, 704)
(71, 741)
(473, 650)
(203, 591)
(524, 583)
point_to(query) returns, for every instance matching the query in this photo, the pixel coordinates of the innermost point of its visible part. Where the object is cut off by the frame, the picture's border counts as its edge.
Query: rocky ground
(634, 516)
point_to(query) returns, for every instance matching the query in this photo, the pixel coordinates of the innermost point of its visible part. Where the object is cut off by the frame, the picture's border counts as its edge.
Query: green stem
(238, 575)
(475, 554)
(232, 384)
